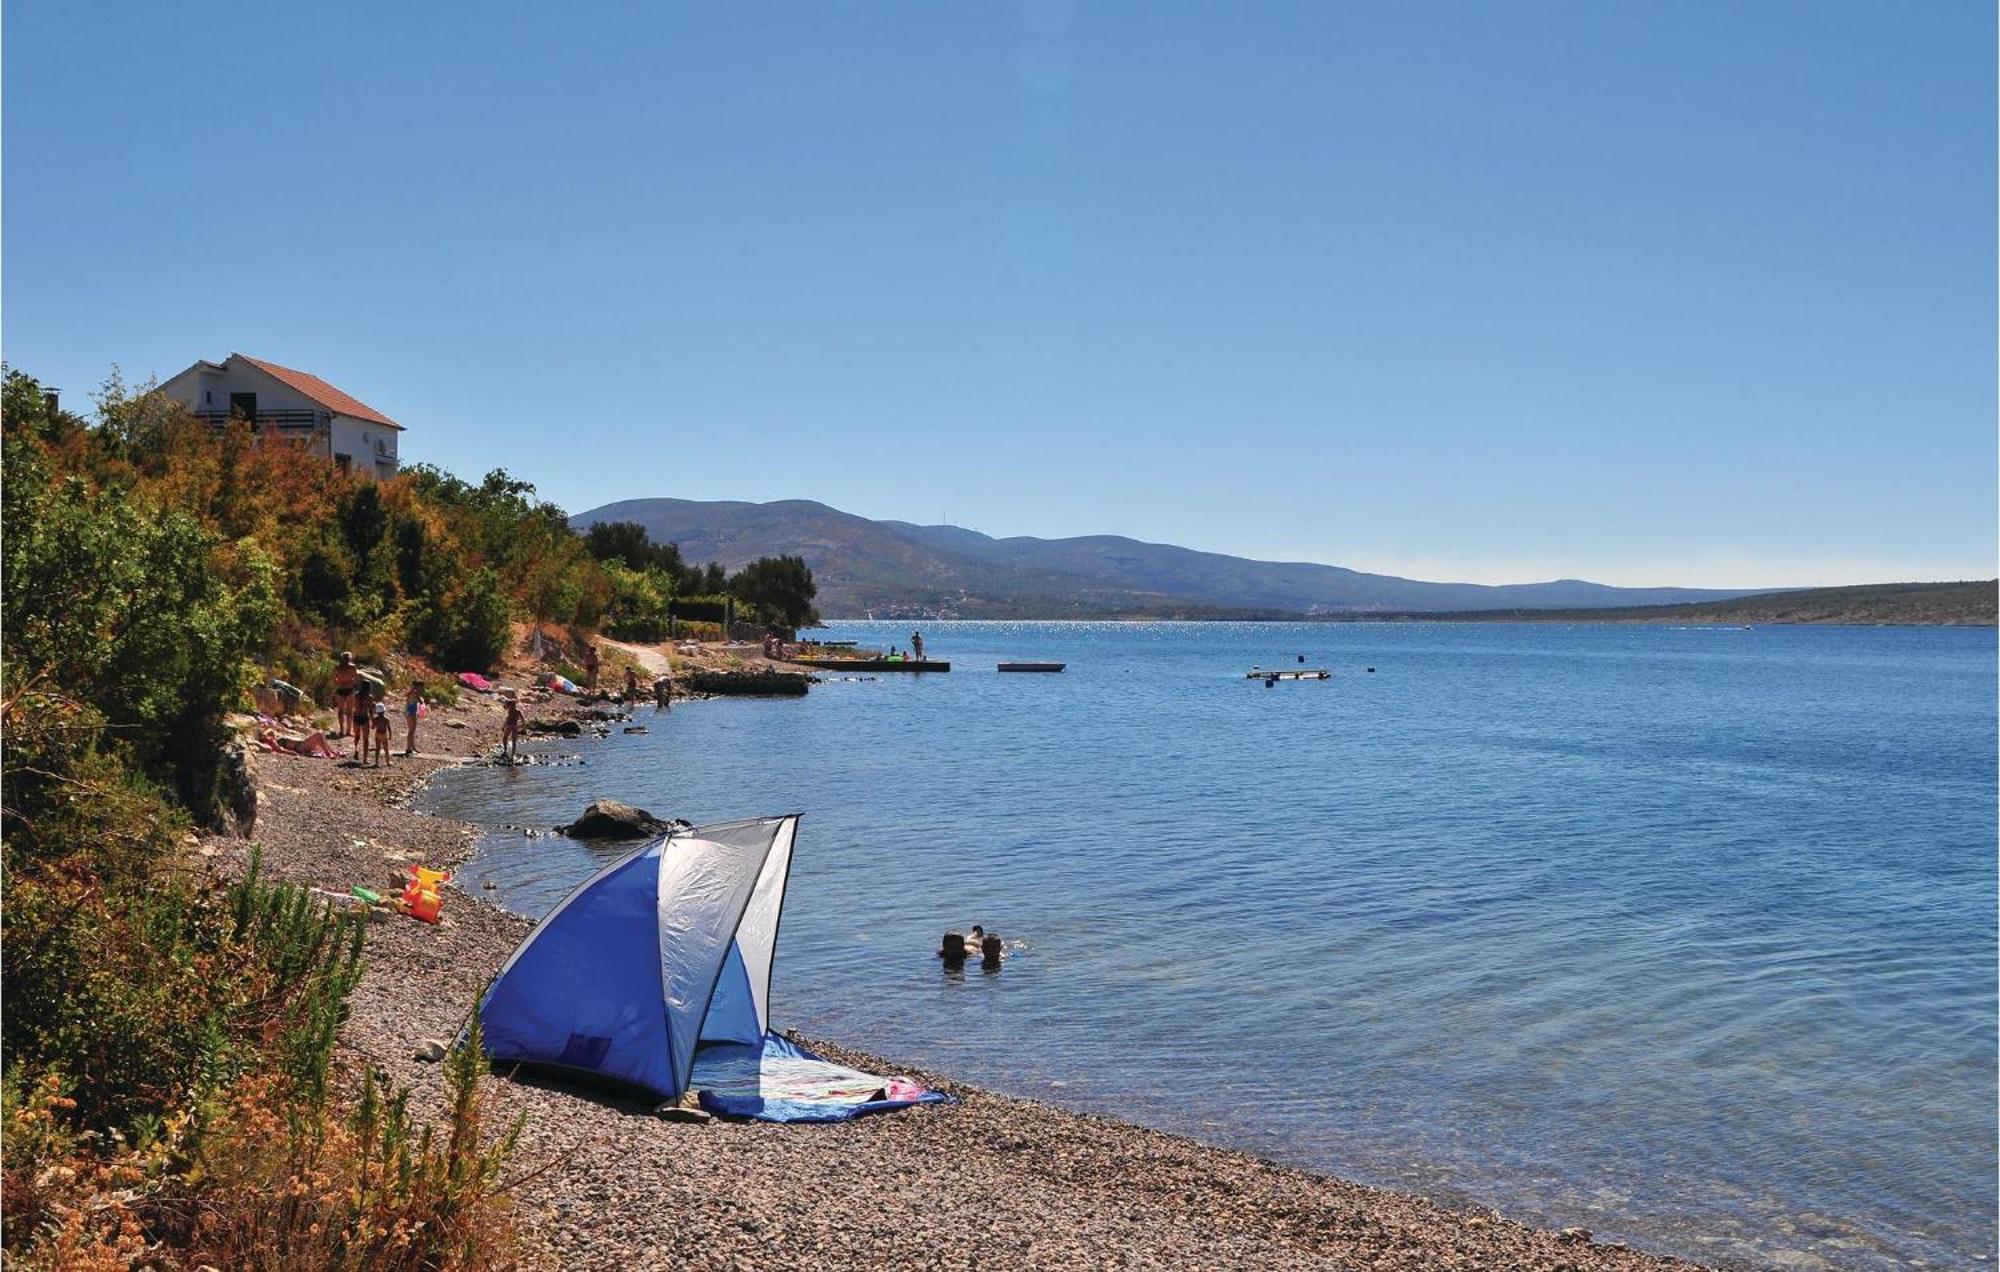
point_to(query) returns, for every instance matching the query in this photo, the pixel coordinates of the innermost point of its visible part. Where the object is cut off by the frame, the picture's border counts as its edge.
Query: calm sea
(1687, 936)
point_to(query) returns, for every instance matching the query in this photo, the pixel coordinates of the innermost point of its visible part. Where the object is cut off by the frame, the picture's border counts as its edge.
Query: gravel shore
(990, 1181)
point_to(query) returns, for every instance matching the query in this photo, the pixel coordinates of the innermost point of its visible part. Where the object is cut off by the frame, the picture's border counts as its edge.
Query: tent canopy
(666, 948)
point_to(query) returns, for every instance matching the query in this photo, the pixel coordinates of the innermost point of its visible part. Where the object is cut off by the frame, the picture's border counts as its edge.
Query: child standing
(358, 719)
(413, 705)
(383, 732)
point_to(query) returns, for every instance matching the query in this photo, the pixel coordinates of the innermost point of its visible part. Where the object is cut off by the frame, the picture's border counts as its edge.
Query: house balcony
(301, 423)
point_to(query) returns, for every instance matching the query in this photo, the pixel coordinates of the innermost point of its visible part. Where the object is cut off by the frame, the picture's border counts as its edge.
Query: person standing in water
(510, 731)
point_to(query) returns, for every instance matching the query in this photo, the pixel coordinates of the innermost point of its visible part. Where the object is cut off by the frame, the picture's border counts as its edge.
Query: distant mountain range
(1973, 604)
(893, 569)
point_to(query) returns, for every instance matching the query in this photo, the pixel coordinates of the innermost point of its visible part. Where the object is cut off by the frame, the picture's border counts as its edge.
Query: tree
(778, 591)
(628, 541)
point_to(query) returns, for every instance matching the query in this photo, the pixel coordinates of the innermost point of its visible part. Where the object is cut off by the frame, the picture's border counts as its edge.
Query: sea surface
(1685, 936)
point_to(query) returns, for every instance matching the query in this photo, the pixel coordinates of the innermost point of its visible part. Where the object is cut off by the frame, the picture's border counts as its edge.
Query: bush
(135, 610)
(169, 1043)
(468, 631)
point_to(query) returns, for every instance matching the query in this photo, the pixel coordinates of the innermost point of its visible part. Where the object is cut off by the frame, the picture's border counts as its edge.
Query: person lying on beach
(312, 744)
(383, 732)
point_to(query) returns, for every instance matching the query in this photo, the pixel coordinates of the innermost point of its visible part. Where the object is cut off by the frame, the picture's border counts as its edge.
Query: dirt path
(650, 660)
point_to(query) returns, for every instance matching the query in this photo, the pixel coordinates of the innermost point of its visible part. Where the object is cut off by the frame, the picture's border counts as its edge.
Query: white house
(296, 405)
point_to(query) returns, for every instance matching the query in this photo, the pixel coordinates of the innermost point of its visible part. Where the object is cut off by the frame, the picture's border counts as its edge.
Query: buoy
(1371, 671)
(1302, 657)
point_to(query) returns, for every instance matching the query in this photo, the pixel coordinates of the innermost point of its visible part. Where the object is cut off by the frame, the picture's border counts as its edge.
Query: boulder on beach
(567, 728)
(609, 819)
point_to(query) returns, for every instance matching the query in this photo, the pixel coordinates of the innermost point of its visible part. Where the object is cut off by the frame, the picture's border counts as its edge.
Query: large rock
(238, 789)
(609, 819)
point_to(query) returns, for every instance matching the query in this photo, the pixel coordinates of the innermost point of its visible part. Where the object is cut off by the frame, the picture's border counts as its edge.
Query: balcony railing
(283, 421)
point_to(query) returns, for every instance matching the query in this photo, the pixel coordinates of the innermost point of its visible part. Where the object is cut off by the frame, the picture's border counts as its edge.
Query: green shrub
(309, 669)
(468, 631)
(135, 610)
(169, 1050)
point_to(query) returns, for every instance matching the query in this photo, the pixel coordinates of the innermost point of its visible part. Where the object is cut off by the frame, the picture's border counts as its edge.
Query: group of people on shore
(361, 710)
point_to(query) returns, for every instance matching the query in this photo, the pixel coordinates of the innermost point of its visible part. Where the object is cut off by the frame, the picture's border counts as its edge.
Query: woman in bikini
(345, 674)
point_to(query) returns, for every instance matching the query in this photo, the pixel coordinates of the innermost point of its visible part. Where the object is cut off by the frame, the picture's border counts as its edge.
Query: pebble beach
(986, 1181)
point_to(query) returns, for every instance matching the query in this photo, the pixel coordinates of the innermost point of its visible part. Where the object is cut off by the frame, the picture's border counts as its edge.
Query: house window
(345, 462)
(208, 397)
(243, 404)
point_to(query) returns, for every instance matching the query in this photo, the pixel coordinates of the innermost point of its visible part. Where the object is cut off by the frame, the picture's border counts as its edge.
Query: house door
(243, 404)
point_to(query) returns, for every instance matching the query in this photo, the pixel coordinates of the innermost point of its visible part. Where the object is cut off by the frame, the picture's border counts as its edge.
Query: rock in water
(609, 819)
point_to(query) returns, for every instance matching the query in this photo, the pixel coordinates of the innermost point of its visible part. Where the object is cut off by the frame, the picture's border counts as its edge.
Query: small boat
(1032, 666)
(1273, 673)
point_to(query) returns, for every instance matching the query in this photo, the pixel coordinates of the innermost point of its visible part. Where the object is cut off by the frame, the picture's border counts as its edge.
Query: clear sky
(1650, 293)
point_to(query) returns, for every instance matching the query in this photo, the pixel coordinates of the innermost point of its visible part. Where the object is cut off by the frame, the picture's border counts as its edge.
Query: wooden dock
(1297, 673)
(873, 664)
(1032, 666)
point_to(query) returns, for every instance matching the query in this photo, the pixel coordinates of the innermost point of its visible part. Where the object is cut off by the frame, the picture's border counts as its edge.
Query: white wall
(203, 390)
(358, 440)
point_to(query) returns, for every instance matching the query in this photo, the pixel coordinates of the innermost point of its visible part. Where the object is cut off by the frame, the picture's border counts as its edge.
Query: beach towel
(784, 1082)
(562, 684)
(473, 680)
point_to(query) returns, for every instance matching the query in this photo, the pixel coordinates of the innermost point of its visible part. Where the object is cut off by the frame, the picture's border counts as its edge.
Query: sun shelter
(664, 949)
(664, 957)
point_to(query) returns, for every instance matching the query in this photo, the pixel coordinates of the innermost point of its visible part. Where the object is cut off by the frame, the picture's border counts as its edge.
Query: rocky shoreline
(990, 1181)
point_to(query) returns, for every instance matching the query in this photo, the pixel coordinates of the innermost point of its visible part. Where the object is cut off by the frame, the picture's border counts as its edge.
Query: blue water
(1687, 936)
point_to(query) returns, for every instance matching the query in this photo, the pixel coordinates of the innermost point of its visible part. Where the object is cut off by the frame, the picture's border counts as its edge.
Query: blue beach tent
(666, 948)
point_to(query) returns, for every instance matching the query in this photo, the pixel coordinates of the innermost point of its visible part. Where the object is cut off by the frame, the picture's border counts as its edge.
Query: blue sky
(1647, 293)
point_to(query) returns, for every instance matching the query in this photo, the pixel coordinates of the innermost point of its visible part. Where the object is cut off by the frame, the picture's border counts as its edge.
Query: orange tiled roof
(321, 392)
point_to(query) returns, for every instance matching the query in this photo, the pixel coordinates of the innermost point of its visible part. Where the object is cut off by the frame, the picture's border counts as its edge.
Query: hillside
(1866, 605)
(894, 568)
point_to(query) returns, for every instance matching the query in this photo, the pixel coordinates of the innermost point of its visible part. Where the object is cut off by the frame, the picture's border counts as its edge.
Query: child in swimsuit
(412, 706)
